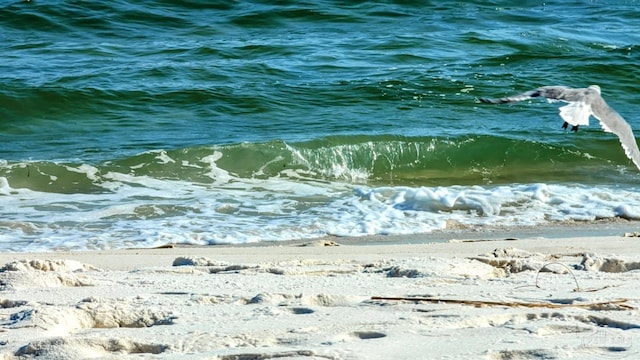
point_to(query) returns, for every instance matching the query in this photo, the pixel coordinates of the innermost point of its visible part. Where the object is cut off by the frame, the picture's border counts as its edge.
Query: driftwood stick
(618, 302)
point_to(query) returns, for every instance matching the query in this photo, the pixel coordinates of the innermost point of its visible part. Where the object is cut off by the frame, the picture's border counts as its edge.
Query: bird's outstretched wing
(612, 122)
(576, 113)
(549, 92)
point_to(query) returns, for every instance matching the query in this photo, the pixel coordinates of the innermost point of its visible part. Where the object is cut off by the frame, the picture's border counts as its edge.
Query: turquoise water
(125, 124)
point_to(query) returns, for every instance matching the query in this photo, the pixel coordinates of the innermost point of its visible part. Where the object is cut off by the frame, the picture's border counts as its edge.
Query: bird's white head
(595, 87)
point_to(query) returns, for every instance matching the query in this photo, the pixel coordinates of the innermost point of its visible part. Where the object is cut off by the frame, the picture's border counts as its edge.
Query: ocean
(128, 124)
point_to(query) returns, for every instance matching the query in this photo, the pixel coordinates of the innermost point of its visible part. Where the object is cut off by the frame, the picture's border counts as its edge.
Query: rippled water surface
(126, 124)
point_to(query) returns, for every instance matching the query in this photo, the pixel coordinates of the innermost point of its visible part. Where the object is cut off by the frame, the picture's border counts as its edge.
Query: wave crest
(381, 160)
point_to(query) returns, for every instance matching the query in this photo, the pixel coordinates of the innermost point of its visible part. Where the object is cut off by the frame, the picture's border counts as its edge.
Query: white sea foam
(5, 189)
(146, 211)
(217, 174)
(88, 170)
(164, 158)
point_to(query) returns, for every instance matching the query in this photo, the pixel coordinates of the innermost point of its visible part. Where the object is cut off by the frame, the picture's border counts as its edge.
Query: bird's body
(583, 103)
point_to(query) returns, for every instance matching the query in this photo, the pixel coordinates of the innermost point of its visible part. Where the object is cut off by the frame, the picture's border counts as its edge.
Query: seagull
(582, 104)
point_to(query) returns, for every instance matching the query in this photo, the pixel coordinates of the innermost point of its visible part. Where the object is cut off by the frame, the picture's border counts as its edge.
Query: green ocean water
(125, 124)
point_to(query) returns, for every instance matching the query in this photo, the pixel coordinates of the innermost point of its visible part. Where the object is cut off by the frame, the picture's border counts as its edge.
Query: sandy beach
(446, 296)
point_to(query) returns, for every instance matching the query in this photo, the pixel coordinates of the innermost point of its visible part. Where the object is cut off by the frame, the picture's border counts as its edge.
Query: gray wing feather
(612, 121)
(563, 93)
(521, 97)
(548, 92)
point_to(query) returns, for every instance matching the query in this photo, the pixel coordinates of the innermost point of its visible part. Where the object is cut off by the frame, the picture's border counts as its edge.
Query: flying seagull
(582, 104)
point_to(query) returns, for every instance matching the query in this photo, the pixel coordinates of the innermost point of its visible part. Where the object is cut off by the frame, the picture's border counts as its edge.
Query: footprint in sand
(59, 321)
(355, 336)
(89, 313)
(521, 354)
(276, 355)
(63, 348)
(6, 303)
(367, 335)
(301, 310)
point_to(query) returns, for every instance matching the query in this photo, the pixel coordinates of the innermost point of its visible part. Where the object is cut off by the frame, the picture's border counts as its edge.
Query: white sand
(315, 302)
